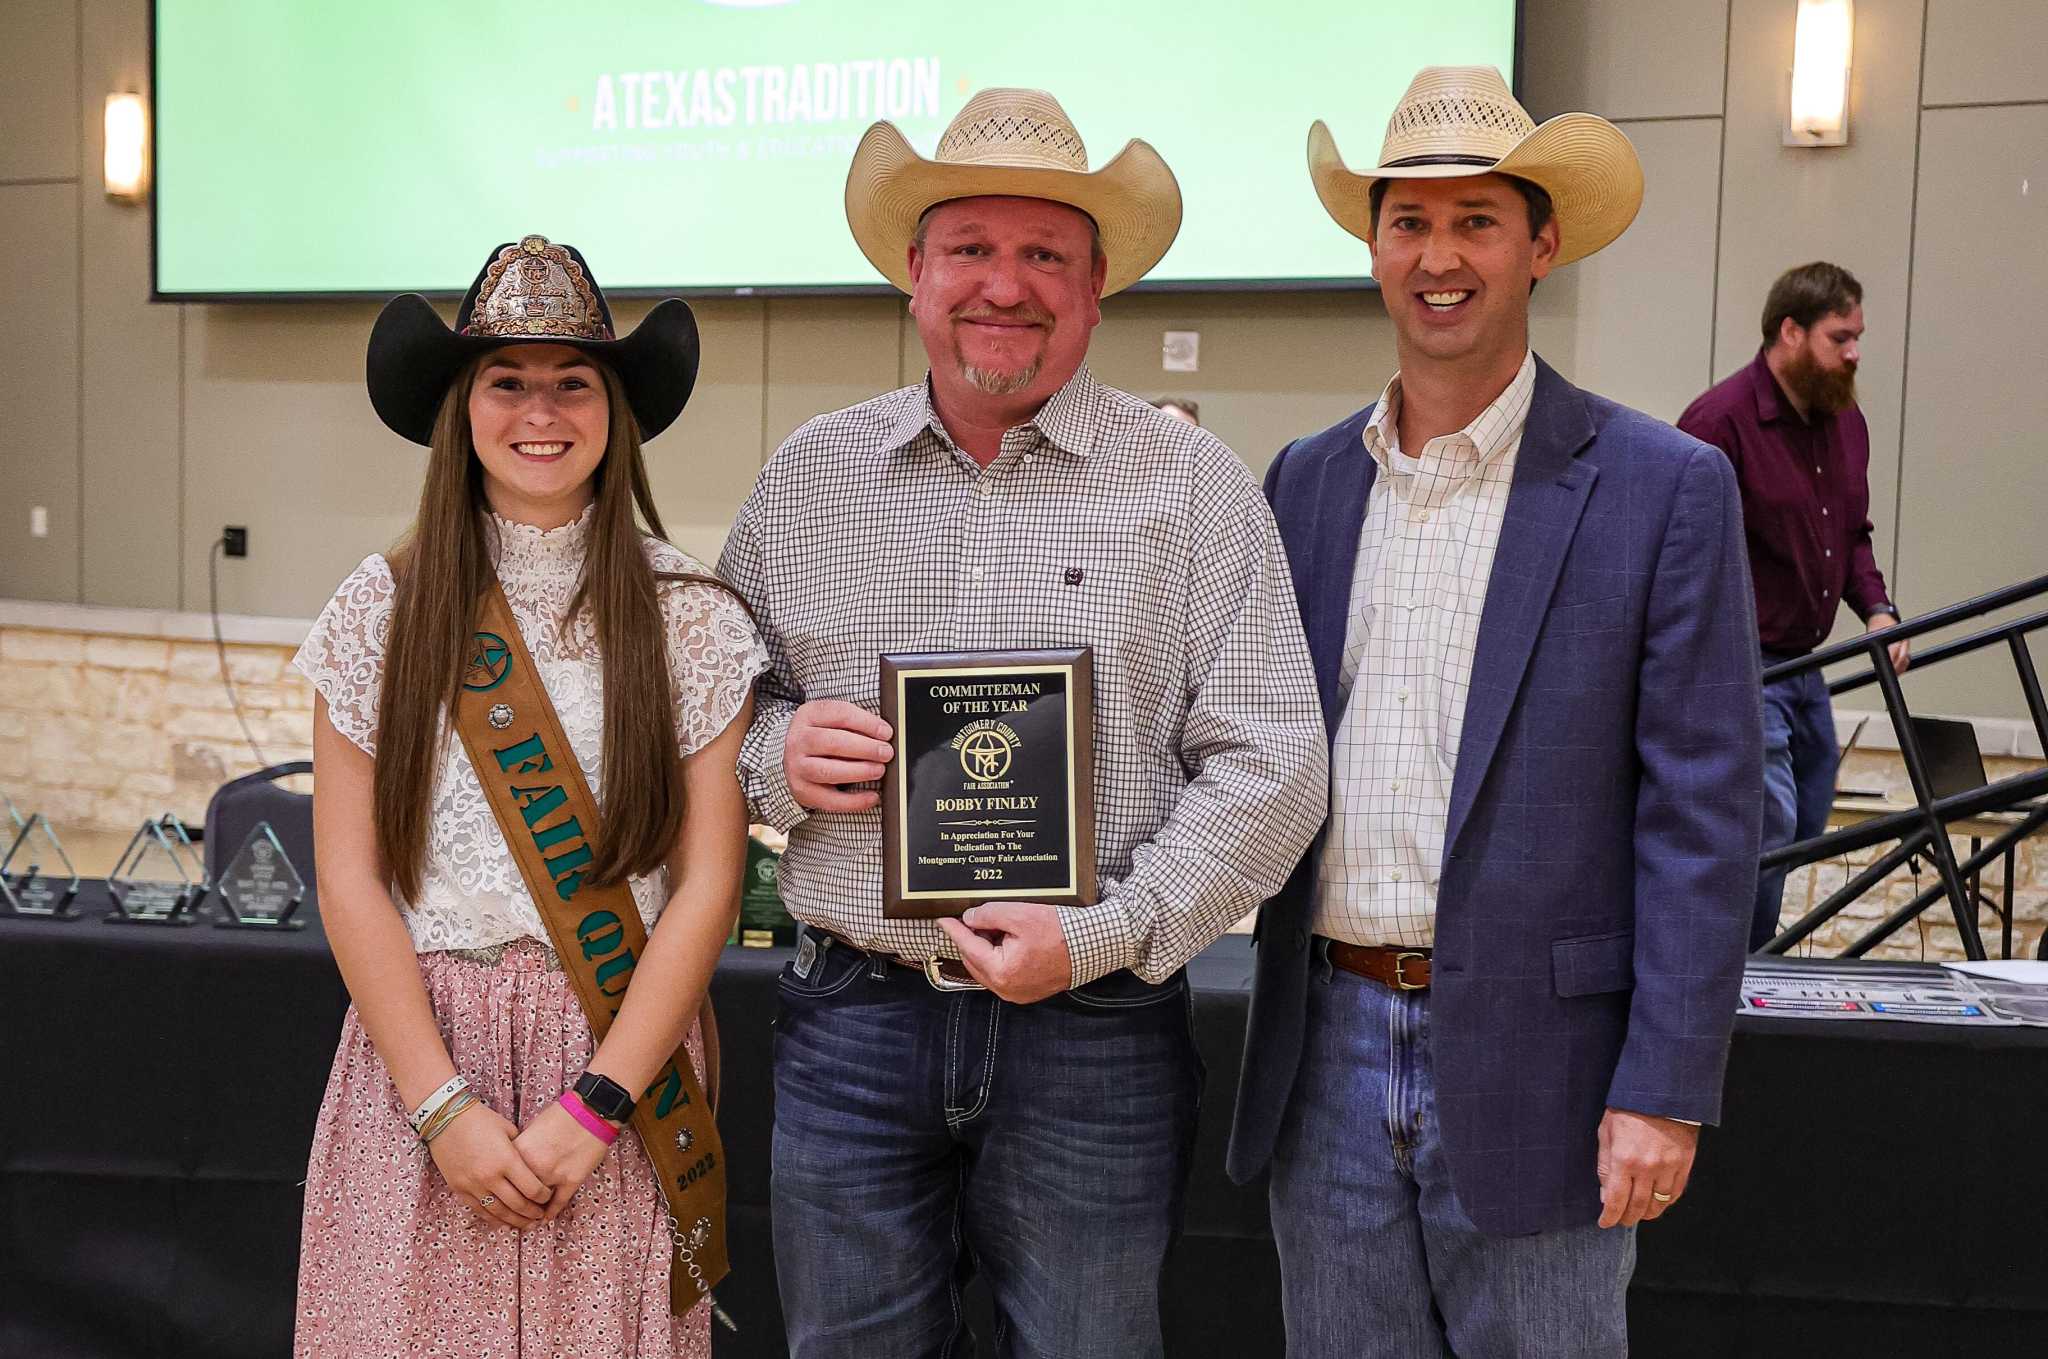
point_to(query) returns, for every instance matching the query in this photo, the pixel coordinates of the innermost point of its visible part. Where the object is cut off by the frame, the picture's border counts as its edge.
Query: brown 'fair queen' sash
(544, 806)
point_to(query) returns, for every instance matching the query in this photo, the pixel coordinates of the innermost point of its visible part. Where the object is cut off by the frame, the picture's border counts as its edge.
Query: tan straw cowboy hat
(1462, 120)
(1011, 143)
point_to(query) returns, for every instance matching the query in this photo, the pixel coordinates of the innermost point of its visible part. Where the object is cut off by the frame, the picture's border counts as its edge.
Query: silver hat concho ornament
(500, 715)
(537, 288)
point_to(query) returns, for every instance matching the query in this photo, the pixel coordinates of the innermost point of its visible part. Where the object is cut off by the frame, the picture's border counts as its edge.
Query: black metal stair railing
(1922, 829)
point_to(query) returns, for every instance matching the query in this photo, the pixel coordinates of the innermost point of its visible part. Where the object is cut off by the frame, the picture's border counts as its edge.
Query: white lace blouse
(471, 895)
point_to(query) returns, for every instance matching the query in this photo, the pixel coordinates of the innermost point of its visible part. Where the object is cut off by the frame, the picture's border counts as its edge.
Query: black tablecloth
(157, 1092)
(1871, 1192)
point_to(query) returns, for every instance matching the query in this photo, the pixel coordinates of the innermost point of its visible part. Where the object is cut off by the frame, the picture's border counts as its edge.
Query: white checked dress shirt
(1102, 523)
(1425, 554)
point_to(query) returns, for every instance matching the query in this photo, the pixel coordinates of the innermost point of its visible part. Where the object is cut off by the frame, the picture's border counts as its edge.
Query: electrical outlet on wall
(39, 521)
(234, 541)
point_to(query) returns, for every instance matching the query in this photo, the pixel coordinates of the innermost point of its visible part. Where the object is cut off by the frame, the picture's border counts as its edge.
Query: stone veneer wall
(100, 732)
(1933, 935)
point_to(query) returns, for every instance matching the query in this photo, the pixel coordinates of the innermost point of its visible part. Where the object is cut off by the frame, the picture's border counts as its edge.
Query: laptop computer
(1955, 764)
(1949, 747)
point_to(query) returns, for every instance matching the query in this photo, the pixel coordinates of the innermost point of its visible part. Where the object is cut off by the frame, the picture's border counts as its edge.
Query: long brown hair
(442, 567)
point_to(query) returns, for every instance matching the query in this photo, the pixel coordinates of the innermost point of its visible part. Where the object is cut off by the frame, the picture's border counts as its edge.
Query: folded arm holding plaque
(990, 795)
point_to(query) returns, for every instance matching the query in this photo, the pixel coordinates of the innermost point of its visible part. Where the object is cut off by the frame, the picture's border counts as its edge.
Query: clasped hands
(1014, 948)
(517, 1177)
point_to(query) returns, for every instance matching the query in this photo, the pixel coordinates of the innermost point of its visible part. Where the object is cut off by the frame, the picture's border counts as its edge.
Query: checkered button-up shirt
(1425, 555)
(1101, 523)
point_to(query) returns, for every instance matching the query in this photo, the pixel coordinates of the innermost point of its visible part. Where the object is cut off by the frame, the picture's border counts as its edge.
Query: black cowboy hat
(530, 291)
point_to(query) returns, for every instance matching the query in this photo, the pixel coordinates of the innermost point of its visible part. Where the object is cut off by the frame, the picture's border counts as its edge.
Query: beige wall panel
(1981, 51)
(1624, 58)
(1782, 206)
(911, 363)
(1274, 366)
(1644, 305)
(1976, 474)
(1554, 327)
(825, 353)
(39, 391)
(703, 466)
(130, 437)
(280, 437)
(39, 95)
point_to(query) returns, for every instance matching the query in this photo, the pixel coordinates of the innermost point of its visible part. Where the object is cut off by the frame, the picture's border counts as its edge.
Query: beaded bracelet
(432, 1105)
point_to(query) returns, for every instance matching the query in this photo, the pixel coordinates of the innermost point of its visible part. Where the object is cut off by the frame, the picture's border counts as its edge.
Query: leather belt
(1403, 969)
(945, 974)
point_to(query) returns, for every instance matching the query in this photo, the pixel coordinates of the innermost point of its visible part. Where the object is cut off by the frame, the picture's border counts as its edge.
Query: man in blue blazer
(1494, 1000)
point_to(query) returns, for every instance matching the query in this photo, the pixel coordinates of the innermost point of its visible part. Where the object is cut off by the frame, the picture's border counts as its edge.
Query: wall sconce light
(1823, 39)
(127, 160)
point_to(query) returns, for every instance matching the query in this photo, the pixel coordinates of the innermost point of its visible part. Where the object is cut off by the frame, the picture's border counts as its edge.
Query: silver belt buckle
(807, 950)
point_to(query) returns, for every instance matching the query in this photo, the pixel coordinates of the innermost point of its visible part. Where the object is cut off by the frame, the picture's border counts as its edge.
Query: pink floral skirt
(394, 1263)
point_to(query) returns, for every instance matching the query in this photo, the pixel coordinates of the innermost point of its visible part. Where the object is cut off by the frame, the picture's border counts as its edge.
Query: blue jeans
(1799, 779)
(921, 1134)
(1376, 1256)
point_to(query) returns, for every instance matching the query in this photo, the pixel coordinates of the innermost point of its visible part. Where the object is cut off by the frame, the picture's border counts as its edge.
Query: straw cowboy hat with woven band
(1011, 144)
(1462, 120)
(530, 291)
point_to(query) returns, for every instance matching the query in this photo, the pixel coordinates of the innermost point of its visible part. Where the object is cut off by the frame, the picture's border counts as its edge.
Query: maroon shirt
(1805, 505)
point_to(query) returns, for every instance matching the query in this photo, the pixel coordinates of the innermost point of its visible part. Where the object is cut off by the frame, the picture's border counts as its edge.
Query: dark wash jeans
(921, 1135)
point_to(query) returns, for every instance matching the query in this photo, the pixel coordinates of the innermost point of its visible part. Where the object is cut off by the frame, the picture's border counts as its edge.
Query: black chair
(239, 804)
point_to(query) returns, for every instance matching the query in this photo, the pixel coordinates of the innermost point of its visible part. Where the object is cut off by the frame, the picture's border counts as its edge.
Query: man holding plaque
(1493, 1005)
(1107, 737)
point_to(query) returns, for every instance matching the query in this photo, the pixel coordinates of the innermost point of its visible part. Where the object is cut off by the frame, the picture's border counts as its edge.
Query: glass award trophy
(763, 922)
(11, 827)
(260, 888)
(153, 883)
(187, 852)
(30, 886)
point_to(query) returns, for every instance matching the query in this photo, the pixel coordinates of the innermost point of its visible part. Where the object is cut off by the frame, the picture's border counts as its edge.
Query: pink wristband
(595, 1126)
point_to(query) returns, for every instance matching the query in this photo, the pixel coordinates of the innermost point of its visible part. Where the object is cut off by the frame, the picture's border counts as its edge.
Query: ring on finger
(487, 1200)
(1660, 1197)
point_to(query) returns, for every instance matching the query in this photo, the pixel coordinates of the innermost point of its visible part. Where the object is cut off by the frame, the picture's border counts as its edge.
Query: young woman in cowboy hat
(464, 1194)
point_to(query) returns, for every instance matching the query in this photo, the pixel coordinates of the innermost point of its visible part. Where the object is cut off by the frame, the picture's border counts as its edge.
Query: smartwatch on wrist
(604, 1096)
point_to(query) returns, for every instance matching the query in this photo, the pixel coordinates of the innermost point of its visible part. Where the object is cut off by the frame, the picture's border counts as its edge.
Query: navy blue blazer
(1600, 856)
